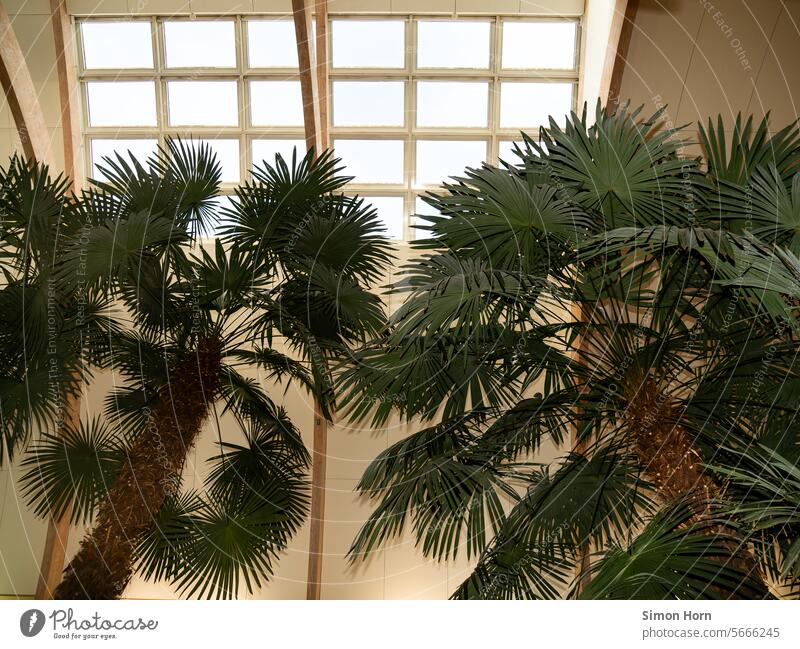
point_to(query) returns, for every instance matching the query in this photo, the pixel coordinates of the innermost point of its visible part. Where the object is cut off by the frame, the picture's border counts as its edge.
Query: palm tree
(198, 319)
(52, 332)
(329, 250)
(628, 305)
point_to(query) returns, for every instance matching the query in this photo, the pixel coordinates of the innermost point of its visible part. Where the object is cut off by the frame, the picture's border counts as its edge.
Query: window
(141, 149)
(368, 103)
(200, 44)
(227, 152)
(526, 105)
(452, 103)
(202, 103)
(118, 44)
(390, 211)
(453, 44)
(121, 103)
(372, 161)
(368, 44)
(276, 103)
(438, 160)
(453, 90)
(413, 100)
(545, 45)
(266, 150)
(271, 44)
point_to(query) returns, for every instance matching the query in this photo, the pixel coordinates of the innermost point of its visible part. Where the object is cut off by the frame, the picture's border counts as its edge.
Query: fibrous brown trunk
(674, 466)
(103, 565)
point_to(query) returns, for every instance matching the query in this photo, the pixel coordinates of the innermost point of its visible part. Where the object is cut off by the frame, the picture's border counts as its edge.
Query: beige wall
(702, 58)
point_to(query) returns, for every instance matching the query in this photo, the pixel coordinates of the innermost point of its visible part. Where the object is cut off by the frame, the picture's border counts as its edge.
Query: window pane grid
(403, 131)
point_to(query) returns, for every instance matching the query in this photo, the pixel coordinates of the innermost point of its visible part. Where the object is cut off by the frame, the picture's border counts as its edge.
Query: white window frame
(409, 190)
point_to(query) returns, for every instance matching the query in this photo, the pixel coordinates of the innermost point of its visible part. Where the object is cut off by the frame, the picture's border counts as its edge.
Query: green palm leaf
(72, 472)
(623, 171)
(672, 557)
(749, 149)
(432, 478)
(764, 492)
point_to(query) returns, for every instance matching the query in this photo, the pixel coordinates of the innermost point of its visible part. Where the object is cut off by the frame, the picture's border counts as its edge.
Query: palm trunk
(674, 467)
(103, 565)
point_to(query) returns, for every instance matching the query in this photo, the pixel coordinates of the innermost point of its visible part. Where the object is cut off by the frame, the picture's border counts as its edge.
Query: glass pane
(221, 205)
(390, 212)
(452, 103)
(437, 160)
(538, 45)
(141, 149)
(453, 44)
(122, 103)
(532, 104)
(203, 103)
(265, 150)
(116, 44)
(372, 161)
(421, 207)
(200, 44)
(368, 103)
(271, 44)
(228, 157)
(506, 150)
(276, 103)
(368, 43)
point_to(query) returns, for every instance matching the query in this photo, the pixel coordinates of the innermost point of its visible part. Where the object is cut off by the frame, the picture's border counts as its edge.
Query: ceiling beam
(21, 95)
(621, 58)
(321, 51)
(301, 10)
(313, 63)
(68, 89)
(55, 546)
(607, 25)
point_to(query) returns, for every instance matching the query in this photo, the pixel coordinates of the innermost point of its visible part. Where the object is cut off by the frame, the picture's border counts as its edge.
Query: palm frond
(432, 479)
(764, 493)
(73, 471)
(623, 171)
(672, 557)
(749, 149)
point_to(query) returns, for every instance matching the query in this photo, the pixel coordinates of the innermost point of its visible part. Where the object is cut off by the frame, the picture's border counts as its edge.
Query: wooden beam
(321, 51)
(313, 63)
(21, 95)
(68, 89)
(55, 546)
(308, 73)
(621, 58)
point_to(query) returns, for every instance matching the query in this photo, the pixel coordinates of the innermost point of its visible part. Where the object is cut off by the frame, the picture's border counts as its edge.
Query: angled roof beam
(606, 35)
(21, 95)
(309, 84)
(313, 62)
(55, 546)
